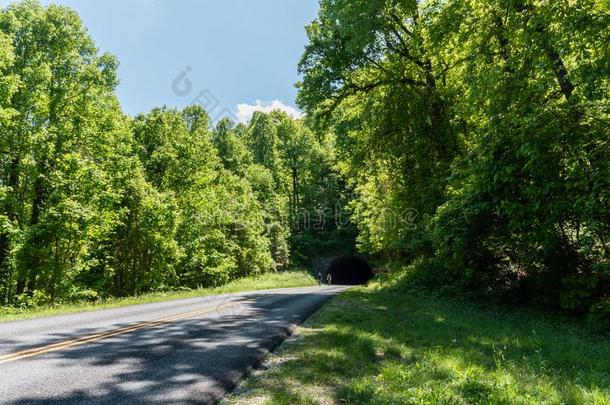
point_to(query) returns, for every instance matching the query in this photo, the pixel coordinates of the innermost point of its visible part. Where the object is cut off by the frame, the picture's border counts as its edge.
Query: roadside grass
(397, 345)
(261, 282)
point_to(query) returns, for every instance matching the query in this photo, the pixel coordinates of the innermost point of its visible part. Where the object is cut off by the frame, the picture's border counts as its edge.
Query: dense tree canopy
(476, 136)
(467, 137)
(95, 203)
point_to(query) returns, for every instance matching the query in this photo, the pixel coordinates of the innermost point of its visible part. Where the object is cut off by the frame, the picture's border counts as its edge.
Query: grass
(261, 282)
(397, 345)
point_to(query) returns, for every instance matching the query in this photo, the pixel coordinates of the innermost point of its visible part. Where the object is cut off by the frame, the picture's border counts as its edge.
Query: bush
(33, 299)
(77, 294)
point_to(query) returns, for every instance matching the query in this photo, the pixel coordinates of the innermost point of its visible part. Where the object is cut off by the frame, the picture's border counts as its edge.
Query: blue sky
(242, 55)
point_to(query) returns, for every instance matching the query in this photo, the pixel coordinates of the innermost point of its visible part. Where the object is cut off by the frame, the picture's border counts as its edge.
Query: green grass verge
(261, 282)
(396, 345)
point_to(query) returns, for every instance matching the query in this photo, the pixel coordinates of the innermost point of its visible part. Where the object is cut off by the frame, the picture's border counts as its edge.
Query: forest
(95, 203)
(468, 140)
(475, 135)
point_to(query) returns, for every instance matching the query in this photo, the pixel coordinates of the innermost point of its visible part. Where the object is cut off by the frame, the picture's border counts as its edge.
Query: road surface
(184, 351)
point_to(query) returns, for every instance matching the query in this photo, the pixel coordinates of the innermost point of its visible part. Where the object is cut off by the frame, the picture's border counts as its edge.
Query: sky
(231, 56)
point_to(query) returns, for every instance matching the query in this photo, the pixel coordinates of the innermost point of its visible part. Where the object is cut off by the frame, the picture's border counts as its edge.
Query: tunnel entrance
(350, 270)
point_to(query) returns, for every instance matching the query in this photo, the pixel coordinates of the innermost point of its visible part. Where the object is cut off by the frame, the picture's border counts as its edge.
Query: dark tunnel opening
(350, 270)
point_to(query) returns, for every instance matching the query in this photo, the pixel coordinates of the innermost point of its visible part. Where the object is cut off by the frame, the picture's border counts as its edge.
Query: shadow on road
(192, 360)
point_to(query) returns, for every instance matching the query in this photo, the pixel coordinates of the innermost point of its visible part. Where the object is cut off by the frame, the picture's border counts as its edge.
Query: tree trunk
(295, 194)
(557, 64)
(559, 68)
(13, 183)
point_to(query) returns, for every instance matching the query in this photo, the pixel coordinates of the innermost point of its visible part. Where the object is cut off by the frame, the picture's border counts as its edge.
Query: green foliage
(62, 116)
(468, 136)
(233, 153)
(529, 211)
(143, 252)
(475, 136)
(225, 234)
(96, 204)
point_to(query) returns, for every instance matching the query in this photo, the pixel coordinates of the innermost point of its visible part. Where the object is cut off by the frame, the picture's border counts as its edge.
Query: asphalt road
(185, 351)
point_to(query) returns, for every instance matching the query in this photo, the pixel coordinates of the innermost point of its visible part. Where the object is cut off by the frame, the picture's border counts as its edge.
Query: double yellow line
(99, 336)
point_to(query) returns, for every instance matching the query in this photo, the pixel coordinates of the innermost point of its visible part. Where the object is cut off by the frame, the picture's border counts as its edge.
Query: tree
(61, 84)
(175, 147)
(371, 71)
(481, 128)
(94, 203)
(517, 219)
(232, 150)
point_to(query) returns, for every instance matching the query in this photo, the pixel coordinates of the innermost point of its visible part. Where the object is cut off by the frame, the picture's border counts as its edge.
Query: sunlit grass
(260, 282)
(400, 346)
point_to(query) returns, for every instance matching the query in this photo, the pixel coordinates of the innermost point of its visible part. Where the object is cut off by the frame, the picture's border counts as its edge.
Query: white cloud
(245, 111)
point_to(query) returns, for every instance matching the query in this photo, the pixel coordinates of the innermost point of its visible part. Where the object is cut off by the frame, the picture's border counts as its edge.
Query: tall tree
(371, 69)
(62, 82)
(231, 147)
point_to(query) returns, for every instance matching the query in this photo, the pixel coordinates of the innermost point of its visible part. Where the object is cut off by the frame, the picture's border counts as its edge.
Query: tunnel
(350, 270)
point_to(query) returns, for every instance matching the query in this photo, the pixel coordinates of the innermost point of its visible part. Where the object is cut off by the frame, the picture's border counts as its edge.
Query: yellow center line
(91, 338)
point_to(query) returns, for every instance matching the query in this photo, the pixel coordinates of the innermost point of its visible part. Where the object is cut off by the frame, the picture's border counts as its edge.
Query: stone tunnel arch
(350, 270)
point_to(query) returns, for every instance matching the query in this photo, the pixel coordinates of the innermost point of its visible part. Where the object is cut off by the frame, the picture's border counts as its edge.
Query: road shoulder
(398, 344)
